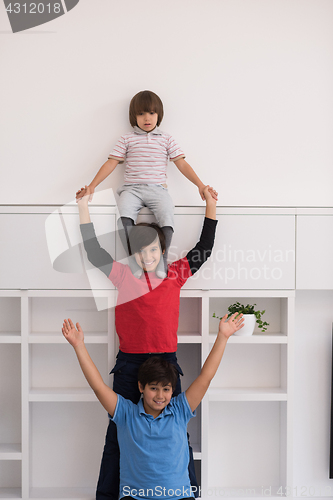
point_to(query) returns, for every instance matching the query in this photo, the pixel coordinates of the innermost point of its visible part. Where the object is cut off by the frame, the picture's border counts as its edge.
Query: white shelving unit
(52, 419)
(52, 428)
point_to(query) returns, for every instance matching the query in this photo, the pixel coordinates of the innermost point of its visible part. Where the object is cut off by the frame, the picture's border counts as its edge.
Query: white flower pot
(249, 324)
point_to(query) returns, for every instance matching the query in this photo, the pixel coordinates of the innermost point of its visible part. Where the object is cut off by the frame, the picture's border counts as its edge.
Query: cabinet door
(250, 251)
(44, 251)
(314, 252)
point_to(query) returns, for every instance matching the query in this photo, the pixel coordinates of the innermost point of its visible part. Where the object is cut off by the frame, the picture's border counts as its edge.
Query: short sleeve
(173, 150)
(122, 408)
(182, 407)
(119, 151)
(180, 271)
(118, 274)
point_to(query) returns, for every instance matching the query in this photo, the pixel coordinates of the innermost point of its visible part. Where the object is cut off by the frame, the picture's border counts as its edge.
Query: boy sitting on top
(152, 434)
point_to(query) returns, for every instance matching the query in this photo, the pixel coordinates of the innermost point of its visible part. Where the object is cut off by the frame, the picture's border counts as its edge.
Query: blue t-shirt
(154, 453)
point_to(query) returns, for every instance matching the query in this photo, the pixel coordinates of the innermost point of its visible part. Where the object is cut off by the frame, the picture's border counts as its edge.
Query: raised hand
(230, 326)
(73, 335)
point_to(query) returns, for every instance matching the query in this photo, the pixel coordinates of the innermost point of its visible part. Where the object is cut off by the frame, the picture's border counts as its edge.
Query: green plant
(248, 309)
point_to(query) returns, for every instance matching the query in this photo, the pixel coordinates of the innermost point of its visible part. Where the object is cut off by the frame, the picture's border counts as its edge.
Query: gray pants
(133, 197)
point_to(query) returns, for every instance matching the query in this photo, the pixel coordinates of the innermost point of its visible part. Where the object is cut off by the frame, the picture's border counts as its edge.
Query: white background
(246, 85)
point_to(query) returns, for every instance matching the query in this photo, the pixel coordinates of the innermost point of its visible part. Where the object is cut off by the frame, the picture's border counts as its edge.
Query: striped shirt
(146, 155)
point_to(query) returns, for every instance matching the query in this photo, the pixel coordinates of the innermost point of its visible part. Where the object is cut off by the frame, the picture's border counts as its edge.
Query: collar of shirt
(138, 130)
(166, 411)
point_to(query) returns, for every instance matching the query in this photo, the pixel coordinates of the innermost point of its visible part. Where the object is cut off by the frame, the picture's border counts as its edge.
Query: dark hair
(144, 234)
(158, 370)
(143, 102)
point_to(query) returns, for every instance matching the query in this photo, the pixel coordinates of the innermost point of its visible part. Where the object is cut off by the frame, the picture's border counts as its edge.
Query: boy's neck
(151, 412)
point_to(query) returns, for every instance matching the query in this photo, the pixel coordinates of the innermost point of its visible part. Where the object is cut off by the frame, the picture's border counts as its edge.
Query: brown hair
(158, 370)
(144, 234)
(143, 102)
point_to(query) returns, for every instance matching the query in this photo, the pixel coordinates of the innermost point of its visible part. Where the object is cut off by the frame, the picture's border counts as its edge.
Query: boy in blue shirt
(152, 435)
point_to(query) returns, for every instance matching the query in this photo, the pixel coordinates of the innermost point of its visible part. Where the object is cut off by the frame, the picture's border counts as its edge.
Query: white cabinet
(251, 251)
(33, 242)
(314, 252)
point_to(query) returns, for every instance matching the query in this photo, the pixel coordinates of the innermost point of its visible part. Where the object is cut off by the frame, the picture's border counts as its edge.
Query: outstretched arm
(99, 257)
(106, 169)
(203, 249)
(75, 337)
(199, 387)
(189, 173)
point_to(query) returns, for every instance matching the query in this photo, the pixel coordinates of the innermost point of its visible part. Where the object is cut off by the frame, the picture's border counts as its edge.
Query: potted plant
(251, 316)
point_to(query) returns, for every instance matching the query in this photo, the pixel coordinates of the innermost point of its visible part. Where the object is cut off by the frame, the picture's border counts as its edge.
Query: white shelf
(263, 358)
(187, 338)
(62, 395)
(257, 338)
(58, 338)
(10, 451)
(247, 394)
(10, 338)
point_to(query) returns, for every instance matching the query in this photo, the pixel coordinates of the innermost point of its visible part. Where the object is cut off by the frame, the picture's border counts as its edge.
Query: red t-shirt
(147, 310)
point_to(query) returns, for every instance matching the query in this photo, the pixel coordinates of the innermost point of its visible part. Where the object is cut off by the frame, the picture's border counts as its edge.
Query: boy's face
(147, 120)
(149, 256)
(156, 397)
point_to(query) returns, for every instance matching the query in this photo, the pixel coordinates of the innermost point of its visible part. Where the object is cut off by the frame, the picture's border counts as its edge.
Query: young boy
(146, 315)
(146, 151)
(152, 434)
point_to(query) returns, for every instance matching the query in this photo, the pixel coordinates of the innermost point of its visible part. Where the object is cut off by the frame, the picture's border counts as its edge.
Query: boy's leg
(129, 206)
(168, 232)
(158, 200)
(124, 227)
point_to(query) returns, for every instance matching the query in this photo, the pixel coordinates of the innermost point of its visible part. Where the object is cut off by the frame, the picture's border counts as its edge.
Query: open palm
(228, 327)
(73, 335)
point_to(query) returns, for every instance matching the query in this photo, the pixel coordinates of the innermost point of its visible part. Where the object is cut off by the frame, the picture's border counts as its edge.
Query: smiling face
(149, 256)
(156, 396)
(147, 120)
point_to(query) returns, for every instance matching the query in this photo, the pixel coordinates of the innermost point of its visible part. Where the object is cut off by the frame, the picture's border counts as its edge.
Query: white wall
(246, 86)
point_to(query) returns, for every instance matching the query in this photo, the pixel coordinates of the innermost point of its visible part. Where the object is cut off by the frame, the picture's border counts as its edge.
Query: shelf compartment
(253, 366)
(48, 314)
(189, 317)
(10, 394)
(276, 313)
(55, 367)
(10, 479)
(246, 447)
(66, 446)
(10, 314)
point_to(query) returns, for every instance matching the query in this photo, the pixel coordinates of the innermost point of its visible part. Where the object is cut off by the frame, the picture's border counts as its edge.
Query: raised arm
(203, 249)
(99, 257)
(199, 387)
(106, 396)
(106, 169)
